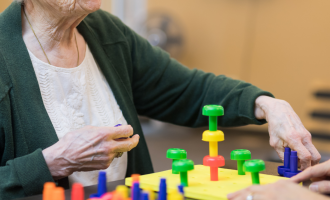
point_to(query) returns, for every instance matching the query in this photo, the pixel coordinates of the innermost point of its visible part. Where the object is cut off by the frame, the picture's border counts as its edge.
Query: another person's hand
(286, 130)
(87, 149)
(319, 175)
(281, 190)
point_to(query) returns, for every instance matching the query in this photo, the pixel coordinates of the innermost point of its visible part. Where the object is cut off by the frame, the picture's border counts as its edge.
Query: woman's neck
(56, 33)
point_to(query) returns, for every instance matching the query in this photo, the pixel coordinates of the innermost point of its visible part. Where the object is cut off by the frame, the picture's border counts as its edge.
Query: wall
(279, 45)
(4, 4)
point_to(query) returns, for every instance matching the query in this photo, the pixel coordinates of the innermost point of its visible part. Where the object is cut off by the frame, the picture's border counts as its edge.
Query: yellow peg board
(200, 186)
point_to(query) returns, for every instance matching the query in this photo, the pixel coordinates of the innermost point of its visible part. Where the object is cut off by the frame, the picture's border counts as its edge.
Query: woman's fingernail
(314, 187)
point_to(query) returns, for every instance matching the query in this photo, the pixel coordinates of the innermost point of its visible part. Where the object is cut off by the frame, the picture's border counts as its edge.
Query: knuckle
(272, 142)
(307, 156)
(105, 165)
(128, 130)
(102, 133)
(294, 136)
(294, 140)
(307, 137)
(110, 149)
(106, 150)
(283, 102)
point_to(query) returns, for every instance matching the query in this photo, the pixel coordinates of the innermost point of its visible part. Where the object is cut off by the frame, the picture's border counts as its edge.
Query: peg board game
(200, 186)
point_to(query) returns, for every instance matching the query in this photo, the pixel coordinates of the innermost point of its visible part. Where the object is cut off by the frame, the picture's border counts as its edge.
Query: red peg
(77, 192)
(214, 163)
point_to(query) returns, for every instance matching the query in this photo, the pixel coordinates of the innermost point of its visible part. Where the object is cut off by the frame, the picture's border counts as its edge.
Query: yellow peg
(123, 190)
(213, 149)
(175, 195)
(213, 137)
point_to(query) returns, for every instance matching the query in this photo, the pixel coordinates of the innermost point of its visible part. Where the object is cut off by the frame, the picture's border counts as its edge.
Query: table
(271, 169)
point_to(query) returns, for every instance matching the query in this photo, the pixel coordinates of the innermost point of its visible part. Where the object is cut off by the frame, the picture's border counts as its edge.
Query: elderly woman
(70, 72)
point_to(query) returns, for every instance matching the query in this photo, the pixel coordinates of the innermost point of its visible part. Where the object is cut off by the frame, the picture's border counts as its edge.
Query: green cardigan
(143, 78)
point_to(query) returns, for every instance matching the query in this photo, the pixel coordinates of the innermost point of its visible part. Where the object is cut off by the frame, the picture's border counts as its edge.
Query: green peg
(254, 166)
(241, 155)
(213, 111)
(183, 166)
(176, 154)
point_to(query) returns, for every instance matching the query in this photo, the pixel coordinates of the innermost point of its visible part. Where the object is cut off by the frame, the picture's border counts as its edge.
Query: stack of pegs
(213, 136)
(180, 165)
(135, 189)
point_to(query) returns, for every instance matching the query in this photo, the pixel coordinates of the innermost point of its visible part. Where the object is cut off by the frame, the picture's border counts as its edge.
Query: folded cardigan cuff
(32, 172)
(246, 105)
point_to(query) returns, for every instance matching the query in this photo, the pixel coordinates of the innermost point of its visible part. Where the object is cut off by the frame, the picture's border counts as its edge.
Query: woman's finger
(320, 187)
(304, 155)
(307, 142)
(315, 171)
(126, 145)
(116, 132)
(232, 196)
(242, 194)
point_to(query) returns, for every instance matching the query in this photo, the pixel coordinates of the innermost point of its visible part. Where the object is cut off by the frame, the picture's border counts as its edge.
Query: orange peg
(58, 194)
(48, 189)
(135, 178)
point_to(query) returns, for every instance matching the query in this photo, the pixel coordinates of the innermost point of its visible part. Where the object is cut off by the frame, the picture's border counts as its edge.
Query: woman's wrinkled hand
(286, 130)
(281, 190)
(87, 149)
(319, 175)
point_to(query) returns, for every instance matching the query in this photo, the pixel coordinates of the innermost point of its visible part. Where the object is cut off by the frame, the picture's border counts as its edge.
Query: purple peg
(136, 191)
(293, 165)
(286, 167)
(162, 195)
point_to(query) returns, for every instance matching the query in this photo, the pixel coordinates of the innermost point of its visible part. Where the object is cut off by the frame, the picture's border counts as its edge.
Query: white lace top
(77, 97)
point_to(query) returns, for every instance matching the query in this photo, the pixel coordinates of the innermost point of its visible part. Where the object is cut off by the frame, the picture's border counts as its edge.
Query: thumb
(320, 187)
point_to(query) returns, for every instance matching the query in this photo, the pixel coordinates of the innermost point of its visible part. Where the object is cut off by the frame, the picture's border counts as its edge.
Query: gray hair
(19, 1)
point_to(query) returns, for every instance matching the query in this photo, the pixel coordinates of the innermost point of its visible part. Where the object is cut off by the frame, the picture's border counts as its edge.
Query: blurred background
(282, 46)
